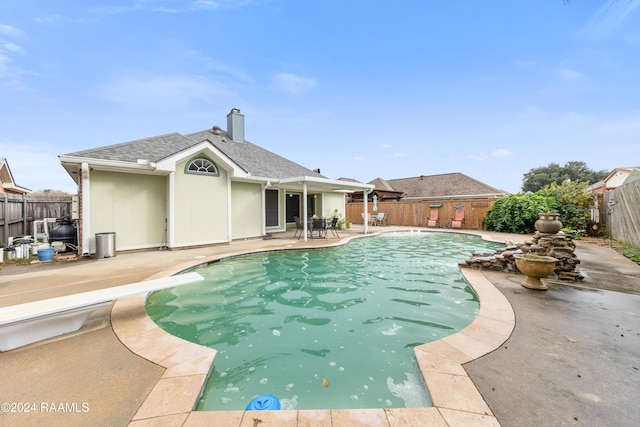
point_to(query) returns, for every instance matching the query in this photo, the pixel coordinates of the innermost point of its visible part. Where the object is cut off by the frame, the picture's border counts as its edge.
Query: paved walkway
(571, 360)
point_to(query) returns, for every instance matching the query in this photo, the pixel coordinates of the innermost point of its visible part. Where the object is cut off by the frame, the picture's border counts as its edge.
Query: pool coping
(456, 400)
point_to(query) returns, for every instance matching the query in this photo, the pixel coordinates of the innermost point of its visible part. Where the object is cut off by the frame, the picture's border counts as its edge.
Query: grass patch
(633, 253)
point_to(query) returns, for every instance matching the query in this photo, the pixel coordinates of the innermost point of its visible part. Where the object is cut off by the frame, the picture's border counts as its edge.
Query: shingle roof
(382, 184)
(444, 185)
(250, 157)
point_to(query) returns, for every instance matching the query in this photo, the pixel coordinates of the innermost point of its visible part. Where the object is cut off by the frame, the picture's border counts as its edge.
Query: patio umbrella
(375, 203)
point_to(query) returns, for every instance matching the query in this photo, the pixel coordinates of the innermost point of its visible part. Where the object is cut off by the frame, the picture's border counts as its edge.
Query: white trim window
(202, 166)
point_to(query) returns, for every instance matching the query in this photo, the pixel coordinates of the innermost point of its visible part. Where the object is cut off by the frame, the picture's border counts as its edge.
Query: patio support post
(366, 209)
(86, 209)
(304, 210)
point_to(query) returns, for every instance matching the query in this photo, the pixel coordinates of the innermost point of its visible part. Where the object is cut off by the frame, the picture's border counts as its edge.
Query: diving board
(30, 322)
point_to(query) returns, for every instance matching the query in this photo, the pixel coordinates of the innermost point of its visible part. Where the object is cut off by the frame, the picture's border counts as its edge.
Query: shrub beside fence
(18, 213)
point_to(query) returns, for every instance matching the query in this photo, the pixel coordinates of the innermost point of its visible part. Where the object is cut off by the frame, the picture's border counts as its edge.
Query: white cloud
(35, 165)
(49, 19)
(162, 91)
(358, 158)
(480, 157)
(532, 112)
(11, 47)
(218, 4)
(398, 155)
(609, 17)
(10, 31)
(292, 84)
(179, 6)
(622, 125)
(220, 68)
(501, 152)
(11, 74)
(571, 75)
(207, 4)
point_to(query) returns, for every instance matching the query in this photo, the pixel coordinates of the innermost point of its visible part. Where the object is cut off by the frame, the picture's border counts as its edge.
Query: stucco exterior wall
(246, 210)
(201, 208)
(333, 201)
(131, 205)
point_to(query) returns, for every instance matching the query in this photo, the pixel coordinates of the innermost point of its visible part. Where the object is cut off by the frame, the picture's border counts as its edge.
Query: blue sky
(358, 88)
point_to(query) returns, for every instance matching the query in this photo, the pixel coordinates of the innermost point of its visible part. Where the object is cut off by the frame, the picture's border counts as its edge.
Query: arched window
(202, 166)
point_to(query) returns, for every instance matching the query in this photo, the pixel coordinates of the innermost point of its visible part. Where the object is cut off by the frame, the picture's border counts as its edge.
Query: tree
(537, 178)
(50, 192)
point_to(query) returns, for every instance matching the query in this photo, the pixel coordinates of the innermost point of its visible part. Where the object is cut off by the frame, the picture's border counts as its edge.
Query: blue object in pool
(45, 254)
(264, 402)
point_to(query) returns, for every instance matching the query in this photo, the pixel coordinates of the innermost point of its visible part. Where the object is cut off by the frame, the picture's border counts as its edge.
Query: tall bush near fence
(572, 202)
(517, 213)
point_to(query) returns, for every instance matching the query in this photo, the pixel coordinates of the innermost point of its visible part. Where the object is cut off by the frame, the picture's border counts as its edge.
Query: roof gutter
(140, 165)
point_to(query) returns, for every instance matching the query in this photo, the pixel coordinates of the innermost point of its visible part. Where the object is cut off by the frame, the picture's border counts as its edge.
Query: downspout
(85, 182)
(366, 209)
(171, 208)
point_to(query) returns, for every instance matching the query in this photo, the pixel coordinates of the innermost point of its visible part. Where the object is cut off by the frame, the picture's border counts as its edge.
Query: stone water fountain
(548, 241)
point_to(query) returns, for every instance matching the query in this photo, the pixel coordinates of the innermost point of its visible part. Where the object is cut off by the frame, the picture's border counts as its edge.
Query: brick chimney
(235, 125)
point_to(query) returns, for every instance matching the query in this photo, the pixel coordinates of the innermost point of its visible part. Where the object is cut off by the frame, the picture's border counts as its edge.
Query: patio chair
(458, 219)
(333, 226)
(369, 220)
(299, 228)
(381, 219)
(434, 219)
(320, 225)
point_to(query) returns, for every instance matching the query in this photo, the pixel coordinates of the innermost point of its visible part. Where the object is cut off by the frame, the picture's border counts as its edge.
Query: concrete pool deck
(120, 369)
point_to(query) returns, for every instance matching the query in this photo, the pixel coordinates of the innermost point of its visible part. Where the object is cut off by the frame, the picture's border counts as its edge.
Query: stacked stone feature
(559, 246)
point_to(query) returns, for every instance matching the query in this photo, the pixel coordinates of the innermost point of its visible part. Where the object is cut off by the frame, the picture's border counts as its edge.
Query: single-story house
(431, 187)
(444, 186)
(7, 184)
(409, 201)
(616, 178)
(202, 188)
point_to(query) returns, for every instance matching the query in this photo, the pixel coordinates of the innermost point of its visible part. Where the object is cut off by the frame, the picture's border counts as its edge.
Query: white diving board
(30, 322)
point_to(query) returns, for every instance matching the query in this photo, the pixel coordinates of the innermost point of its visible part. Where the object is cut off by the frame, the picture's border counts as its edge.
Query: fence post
(25, 232)
(5, 209)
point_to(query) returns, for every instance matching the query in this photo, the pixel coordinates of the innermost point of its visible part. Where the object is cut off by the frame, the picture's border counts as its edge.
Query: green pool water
(326, 328)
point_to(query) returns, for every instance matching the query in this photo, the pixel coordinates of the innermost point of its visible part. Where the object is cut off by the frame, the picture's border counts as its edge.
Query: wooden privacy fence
(18, 213)
(622, 212)
(416, 212)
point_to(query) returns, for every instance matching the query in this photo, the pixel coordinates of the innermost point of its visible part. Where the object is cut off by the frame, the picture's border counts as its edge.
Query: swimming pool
(325, 328)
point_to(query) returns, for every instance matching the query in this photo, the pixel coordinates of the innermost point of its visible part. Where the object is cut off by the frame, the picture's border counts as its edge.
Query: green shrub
(572, 202)
(516, 213)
